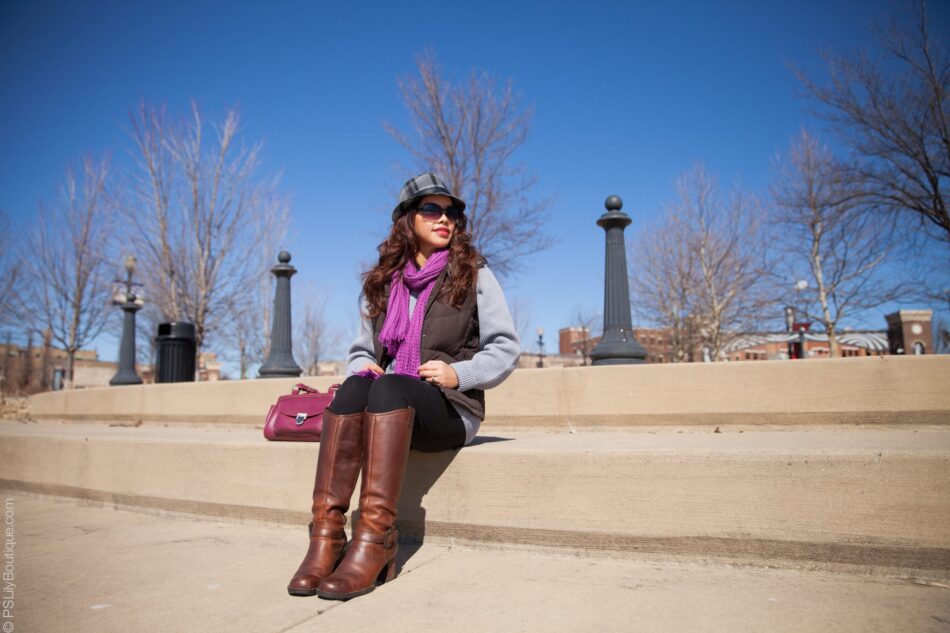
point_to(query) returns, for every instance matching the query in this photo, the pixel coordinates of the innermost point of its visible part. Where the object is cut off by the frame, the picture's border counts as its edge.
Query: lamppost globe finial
(283, 257)
(613, 204)
(130, 262)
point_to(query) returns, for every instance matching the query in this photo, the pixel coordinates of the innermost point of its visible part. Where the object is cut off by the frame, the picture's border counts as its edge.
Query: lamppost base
(625, 351)
(125, 378)
(280, 368)
(599, 362)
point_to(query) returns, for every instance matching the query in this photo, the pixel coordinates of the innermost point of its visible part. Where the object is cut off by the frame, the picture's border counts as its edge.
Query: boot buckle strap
(327, 532)
(390, 537)
(387, 539)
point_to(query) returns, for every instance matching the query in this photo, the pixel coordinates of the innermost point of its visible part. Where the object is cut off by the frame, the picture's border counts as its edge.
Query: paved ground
(85, 568)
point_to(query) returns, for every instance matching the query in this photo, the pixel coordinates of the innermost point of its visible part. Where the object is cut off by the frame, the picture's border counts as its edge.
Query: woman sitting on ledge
(435, 333)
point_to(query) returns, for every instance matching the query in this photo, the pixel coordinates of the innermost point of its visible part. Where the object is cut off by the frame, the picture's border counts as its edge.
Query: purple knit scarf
(402, 336)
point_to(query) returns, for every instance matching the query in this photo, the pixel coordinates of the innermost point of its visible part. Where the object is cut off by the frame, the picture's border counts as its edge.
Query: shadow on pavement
(422, 471)
(488, 439)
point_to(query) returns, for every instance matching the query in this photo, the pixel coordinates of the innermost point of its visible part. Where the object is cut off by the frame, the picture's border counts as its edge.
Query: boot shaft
(338, 466)
(386, 438)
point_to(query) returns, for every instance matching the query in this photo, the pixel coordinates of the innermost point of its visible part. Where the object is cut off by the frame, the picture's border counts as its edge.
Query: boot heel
(388, 572)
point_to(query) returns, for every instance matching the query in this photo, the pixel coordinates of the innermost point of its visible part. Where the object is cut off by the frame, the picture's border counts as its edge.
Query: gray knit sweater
(490, 366)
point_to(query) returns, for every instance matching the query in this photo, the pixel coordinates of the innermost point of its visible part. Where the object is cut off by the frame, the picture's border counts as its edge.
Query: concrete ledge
(879, 390)
(859, 496)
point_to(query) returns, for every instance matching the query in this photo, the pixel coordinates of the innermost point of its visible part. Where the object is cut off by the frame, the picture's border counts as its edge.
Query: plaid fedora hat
(417, 187)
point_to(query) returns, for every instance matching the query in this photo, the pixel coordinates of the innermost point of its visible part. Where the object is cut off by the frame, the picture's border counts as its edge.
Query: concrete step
(82, 569)
(873, 497)
(891, 390)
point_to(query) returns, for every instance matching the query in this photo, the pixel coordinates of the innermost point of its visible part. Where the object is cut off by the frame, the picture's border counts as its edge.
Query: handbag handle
(300, 387)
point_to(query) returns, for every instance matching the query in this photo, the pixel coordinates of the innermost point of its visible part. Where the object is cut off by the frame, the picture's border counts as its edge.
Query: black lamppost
(618, 345)
(790, 326)
(127, 296)
(801, 326)
(540, 347)
(280, 362)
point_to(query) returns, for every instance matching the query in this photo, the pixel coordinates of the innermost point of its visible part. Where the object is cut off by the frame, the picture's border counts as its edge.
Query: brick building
(577, 342)
(909, 332)
(30, 369)
(26, 370)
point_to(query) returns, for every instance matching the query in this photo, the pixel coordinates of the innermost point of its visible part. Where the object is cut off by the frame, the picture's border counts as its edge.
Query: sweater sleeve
(361, 351)
(498, 339)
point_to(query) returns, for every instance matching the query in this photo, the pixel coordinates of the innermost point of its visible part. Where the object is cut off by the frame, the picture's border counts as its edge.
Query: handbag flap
(311, 405)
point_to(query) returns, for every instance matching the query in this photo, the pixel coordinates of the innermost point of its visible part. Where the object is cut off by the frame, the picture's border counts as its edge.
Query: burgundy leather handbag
(298, 417)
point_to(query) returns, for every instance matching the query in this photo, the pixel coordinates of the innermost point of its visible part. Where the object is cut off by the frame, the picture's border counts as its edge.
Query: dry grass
(14, 408)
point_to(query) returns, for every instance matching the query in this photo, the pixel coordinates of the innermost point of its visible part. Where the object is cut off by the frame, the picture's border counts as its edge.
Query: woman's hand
(373, 367)
(439, 374)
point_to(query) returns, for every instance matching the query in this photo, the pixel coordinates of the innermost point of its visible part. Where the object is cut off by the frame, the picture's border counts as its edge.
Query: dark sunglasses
(431, 212)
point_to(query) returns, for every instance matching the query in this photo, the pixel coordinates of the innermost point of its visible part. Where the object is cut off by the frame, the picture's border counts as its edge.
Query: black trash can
(175, 352)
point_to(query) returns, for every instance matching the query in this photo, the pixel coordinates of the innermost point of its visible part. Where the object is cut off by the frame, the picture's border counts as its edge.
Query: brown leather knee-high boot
(371, 554)
(338, 466)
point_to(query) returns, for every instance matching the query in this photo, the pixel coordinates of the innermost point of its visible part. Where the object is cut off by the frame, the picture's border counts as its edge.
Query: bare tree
(729, 247)
(312, 336)
(10, 267)
(522, 315)
(829, 242)
(193, 208)
(701, 271)
(67, 268)
(6, 384)
(26, 376)
(249, 326)
(894, 113)
(589, 322)
(467, 133)
(246, 333)
(664, 281)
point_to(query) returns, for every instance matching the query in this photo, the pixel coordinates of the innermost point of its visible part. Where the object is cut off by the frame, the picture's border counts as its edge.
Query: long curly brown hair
(400, 247)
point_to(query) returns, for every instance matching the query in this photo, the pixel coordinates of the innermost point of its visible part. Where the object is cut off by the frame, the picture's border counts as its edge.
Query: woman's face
(436, 234)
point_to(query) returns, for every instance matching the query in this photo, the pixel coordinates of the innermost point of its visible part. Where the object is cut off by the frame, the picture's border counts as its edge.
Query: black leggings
(437, 425)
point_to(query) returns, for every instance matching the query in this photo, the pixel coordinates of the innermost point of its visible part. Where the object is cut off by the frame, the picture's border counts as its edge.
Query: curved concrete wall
(881, 390)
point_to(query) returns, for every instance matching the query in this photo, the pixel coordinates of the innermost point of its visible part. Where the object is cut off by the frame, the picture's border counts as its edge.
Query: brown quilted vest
(449, 334)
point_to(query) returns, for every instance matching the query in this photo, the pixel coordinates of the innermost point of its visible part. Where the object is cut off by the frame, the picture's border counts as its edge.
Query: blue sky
(626, 95)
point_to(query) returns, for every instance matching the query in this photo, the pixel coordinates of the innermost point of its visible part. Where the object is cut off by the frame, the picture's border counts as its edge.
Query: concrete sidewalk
(93, 568)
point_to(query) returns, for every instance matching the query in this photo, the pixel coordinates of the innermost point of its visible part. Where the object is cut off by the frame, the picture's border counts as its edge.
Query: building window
(919, 348)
